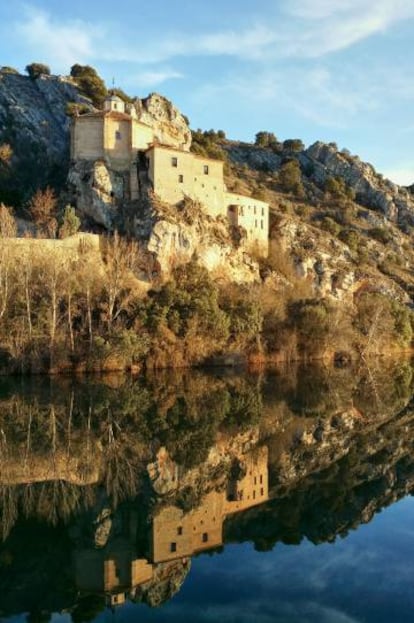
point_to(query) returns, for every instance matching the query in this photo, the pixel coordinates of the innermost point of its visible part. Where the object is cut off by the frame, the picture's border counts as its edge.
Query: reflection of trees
(60, 441)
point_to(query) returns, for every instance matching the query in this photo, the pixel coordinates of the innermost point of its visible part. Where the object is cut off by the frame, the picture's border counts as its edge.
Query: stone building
(127, 145)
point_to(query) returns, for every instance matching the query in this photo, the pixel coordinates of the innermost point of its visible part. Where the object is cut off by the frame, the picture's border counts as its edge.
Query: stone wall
(176, 174)
(87, 138)
(68, 249)
(251, 214)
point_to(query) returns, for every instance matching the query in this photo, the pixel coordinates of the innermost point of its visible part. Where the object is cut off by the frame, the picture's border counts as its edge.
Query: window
(118, 135)
(261, 492)
(255, 480)
(261, 479)
(255, 222)
(262, 211)
(205, 537)
(179, 530)
(173, 547)
(115, 106)
(205, 169)
(254, 495)
(180, 179)
(254, 209)
(174, 161)
(261, 224)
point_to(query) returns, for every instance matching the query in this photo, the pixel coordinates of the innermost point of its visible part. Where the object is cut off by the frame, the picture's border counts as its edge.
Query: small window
(115, 106)
(254, 209)
(255, 222)
(255, 480)
(173, 547)
(254, 495)
(261, 492)
(261, 479)
(180, 179)
(118, 135)
(261, 224)
(174, 161)
(262, 211)
(205, 169)
(205, 537)
(179, 530)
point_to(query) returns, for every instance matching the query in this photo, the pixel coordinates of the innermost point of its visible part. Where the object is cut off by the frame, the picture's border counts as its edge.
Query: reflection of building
(129, 146)
(175, 535)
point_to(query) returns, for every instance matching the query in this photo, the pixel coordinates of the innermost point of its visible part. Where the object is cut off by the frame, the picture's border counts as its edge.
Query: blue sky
(334, 70)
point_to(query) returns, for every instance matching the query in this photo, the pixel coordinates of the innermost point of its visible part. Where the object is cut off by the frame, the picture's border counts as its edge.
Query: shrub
(8, 70)
(89, 83)
(37, 69)
(290, 177)
(329, 225)
(76, 108)
(70, 224)
(350, 237)
(381, 234)
(266, 139)
(293, 144)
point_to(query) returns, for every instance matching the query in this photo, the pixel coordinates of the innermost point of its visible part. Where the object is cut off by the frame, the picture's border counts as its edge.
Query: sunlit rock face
(169, 125)
(371, 189)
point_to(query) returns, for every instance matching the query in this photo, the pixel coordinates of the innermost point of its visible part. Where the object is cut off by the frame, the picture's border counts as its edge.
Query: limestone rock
(96, 189)
(170, 126)
(371, 189)
(33, 121)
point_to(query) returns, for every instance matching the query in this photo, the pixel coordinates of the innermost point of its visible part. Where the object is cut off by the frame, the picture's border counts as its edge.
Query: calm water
(209, 497)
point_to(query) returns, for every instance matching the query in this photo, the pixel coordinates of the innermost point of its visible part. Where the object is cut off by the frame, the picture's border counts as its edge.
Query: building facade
(127, 145)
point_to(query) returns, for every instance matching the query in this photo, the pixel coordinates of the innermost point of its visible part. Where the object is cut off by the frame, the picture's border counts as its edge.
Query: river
(282, 495)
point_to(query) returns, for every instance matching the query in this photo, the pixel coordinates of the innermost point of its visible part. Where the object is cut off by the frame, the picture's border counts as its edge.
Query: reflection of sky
(364, 578)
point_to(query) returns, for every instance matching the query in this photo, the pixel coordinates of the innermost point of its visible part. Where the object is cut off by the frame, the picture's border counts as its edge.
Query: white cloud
(60, 44)
(147, 79)
(303, 29)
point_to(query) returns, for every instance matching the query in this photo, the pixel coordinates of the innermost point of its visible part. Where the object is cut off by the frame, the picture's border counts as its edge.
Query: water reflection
(109, 488)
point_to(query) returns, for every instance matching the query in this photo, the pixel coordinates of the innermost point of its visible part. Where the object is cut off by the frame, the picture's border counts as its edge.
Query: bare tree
(43, 207)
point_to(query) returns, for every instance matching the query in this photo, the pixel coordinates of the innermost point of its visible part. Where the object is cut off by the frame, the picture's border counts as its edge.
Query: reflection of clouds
(259, 611)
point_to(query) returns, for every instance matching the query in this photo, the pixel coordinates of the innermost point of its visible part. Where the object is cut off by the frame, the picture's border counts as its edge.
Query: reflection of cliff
(376, 470)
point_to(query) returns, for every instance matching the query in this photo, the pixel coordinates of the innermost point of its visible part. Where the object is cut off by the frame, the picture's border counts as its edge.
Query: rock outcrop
(34, 123)
(371, 189)
(169, 125)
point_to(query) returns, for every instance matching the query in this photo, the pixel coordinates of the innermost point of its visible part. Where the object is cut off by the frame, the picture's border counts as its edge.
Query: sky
(330, 70)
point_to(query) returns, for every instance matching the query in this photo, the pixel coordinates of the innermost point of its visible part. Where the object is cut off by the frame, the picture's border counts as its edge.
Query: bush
(293, 144)
(381, 234)
(290, 177)
(329, 225)
(8, 70)
(70, 224)
(350, 237)
(75, 108)
(266, 139)
(89, 83)
(37, 69)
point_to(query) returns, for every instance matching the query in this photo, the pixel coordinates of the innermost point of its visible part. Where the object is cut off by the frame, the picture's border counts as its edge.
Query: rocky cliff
(34, 123)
